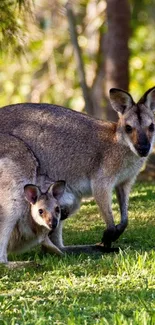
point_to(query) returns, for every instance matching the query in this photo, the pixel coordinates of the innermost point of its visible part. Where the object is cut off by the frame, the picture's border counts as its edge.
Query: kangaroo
(92, 156)
(21, 227)
(42, 216)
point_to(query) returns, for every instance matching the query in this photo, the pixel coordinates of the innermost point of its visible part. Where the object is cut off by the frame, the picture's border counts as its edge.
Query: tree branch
(78, 56)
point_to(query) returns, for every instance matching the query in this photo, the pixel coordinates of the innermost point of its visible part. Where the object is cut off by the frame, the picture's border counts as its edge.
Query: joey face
(46, 211)
(45, 207)
(136, 125)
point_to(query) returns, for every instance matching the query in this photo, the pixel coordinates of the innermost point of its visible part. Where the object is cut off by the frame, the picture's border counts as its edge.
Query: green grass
(116, 289)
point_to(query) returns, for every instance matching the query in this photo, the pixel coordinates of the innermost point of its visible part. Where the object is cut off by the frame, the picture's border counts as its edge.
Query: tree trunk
(116, 63)
(113, 68)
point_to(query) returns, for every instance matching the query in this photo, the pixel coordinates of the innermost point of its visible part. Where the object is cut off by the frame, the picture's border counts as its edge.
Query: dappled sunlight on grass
(114, 289)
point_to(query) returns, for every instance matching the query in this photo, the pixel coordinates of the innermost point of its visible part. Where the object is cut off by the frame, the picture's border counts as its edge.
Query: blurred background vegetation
(71, 52)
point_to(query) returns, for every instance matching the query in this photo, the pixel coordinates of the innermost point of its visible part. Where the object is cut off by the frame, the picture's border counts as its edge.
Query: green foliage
(11, 26)
(142, 12)
(142, 60)
(114, 289)
(46, 72)
(142, 45)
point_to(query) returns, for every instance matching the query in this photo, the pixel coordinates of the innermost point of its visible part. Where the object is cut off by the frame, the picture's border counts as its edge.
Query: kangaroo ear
(57, 189)
(32, 193)
(120, 100)
(148, 99)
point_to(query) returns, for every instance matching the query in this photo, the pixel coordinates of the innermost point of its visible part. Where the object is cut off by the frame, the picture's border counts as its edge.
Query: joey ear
(120, 100)
(32, 193)
(57, 189)
(148, 99)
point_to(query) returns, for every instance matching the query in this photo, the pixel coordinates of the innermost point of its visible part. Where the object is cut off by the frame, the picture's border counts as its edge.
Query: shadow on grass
(139, 237)
(87, 226)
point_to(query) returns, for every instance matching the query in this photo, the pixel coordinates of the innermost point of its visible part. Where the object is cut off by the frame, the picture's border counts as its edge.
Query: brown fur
(92, 156)
(33, 229)
(19, 229)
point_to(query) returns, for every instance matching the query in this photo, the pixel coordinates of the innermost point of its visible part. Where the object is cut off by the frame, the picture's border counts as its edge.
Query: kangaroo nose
(54, 222)
(143, 150)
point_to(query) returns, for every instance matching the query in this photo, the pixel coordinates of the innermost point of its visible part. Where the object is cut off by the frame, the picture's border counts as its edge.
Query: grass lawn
(116, 289)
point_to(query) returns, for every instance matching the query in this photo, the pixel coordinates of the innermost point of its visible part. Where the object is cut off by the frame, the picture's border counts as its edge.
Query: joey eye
(128, 128)
(151, 127)
(41, 212)
(57, 210)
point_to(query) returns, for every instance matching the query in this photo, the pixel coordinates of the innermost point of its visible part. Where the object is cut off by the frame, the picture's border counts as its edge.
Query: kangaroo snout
(143, 145)
(54, 223)
(143, 150)
(51, 221)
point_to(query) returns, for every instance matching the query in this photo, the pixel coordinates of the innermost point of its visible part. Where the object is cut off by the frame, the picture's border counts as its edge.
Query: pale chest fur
(129, 169)
(25, 233)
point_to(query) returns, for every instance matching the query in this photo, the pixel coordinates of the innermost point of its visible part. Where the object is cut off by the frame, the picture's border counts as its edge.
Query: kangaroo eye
(151, 127)
(57, 210)
(40, 212)
(128, 128)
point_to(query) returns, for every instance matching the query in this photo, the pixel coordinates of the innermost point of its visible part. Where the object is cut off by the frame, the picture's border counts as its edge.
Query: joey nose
(54, 223)
(50, 224)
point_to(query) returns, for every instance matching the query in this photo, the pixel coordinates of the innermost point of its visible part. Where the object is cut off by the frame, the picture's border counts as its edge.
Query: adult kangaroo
(91, 155)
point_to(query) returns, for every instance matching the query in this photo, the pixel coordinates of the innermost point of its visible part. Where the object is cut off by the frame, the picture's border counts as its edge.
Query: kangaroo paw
(110, 235)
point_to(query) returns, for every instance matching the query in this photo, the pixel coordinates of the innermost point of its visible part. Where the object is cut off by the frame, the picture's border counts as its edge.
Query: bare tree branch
(74, 38)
